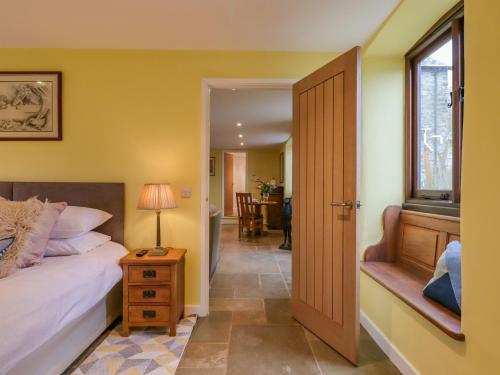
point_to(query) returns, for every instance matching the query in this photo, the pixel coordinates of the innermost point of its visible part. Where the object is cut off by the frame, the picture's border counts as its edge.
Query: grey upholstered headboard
(109, 197)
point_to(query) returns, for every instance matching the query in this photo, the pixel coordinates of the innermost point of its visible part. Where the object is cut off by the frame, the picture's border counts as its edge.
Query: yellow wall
(405, 26)
(263, 164)
(480, 182)
(429, 350)
(134, 117)
(381, 142)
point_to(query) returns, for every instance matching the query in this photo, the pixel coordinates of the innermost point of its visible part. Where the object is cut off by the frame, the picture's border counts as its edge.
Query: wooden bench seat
(404, 261)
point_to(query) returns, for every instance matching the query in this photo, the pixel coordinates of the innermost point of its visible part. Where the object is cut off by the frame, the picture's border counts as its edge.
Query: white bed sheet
(37, 302)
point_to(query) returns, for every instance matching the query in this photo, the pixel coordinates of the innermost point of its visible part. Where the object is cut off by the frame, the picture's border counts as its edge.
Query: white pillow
(75, 221)
(76, 245)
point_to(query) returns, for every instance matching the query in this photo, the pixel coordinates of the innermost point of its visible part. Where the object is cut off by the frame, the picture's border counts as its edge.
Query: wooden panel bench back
(413, 239)
(422, 238)
(405, 259)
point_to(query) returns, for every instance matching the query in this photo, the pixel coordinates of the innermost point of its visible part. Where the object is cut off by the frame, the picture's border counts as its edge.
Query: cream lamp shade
(157, 197)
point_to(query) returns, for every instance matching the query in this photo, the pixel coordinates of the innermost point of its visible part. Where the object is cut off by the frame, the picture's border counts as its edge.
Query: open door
(325, 261)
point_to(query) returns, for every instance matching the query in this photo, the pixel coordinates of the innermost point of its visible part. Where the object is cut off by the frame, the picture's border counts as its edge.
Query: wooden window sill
(407, 286)
(433, 207)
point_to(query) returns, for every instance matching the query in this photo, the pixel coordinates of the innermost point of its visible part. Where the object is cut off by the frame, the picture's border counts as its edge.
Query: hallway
(250, 329)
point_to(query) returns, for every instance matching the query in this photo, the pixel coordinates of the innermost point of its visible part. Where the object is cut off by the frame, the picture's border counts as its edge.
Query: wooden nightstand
(153, 290)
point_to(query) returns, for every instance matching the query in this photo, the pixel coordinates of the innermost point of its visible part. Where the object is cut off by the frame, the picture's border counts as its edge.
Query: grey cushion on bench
(446, 285)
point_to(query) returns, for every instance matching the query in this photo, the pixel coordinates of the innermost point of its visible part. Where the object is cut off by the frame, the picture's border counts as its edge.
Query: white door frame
(206, 85)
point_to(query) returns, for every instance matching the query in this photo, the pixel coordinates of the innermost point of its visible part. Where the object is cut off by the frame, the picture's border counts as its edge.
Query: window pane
(435, 120)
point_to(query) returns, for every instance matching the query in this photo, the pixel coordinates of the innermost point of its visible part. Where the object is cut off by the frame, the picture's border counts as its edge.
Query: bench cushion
(446, 285)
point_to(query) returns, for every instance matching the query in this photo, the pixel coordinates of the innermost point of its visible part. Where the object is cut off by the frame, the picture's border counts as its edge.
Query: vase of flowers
(266, 188)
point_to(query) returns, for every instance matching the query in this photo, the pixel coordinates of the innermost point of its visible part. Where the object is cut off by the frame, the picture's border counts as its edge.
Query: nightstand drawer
(141, 314)
(145, 294)
(148, 274)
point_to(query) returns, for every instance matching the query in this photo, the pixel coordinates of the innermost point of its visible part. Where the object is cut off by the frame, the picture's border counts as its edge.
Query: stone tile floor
(250, 329)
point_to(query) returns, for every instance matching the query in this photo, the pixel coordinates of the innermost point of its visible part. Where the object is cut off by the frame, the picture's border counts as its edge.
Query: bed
(50, 313)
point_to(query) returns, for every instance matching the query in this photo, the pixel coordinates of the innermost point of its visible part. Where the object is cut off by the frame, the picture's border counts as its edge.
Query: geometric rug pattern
(147, 351)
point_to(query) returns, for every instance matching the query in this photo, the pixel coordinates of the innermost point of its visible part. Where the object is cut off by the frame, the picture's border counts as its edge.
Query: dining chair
(247, 217)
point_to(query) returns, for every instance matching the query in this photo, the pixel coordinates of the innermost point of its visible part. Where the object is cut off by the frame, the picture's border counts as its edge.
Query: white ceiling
(278, 25)
(265, 115)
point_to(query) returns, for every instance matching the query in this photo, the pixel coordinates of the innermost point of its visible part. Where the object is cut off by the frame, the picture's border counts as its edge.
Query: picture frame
(282, 167)
(212, 166)
(30, 106)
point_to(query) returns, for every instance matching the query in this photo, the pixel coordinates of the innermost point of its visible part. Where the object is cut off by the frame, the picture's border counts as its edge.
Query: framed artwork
(282, 167)
(212, 165)
(30, 106)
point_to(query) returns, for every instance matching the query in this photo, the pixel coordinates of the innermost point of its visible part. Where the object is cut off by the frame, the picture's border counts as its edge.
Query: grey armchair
(214, 239)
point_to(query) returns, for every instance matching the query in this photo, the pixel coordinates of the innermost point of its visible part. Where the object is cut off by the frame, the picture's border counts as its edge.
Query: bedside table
(153, 290)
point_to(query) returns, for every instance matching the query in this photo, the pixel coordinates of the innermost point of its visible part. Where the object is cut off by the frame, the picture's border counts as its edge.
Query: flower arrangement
(265, 187)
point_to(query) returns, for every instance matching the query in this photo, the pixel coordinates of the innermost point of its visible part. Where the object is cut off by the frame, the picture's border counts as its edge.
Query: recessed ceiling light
(242, 144)
(233, 89)
(240, 135)
(238, 124)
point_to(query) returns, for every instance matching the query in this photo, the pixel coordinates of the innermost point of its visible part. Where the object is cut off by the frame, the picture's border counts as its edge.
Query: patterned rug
(145, 352)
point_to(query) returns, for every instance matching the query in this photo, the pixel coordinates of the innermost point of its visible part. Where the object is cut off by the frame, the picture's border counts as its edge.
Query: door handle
(347, 204)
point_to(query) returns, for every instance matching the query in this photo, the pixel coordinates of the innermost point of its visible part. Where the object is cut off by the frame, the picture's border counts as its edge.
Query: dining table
(259, 204)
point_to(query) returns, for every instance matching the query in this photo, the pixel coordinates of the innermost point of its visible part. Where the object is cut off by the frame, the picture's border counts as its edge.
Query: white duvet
(37, 302)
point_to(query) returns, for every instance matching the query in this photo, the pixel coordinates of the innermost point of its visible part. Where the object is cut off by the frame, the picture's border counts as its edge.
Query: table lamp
(157, 197)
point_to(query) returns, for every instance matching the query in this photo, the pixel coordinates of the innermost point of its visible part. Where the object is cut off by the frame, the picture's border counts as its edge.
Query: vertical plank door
(325, 261)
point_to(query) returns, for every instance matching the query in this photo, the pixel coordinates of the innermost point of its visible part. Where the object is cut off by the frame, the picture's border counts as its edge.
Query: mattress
(38, 302)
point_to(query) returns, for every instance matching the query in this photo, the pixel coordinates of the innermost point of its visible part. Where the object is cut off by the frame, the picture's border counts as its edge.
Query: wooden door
(228, 184)
(325, 262)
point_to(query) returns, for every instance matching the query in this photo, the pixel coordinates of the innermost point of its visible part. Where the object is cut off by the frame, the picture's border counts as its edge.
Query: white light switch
(186, 193)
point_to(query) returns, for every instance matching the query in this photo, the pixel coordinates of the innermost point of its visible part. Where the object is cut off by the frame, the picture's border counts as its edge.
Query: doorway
(235, 180)
(208, 85)
(317, 104)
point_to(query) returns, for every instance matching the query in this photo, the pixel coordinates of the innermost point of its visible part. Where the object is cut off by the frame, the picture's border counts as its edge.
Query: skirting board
(193, 309)
(387, 347)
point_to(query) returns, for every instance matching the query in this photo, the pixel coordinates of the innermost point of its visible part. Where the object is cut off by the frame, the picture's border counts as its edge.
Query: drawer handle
(149, 294)
(149, 274)
(148, 314)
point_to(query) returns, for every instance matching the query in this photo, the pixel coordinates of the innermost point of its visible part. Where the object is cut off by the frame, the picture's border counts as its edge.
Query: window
(434, 113)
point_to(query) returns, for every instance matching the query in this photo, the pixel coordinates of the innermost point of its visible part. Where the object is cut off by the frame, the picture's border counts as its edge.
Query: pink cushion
(34, 252)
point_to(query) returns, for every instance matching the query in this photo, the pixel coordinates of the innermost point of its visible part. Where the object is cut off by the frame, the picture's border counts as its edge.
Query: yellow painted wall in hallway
(429, 350)
(135, 117)
(263, 164)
